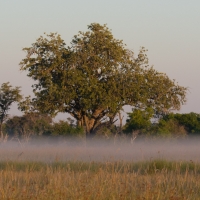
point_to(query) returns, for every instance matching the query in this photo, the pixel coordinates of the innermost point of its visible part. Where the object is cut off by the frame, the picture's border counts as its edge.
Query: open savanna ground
(76, 170)
(96, 180)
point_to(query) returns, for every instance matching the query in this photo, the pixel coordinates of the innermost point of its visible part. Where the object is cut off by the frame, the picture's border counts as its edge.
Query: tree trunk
(1, 132)
(120, 122)
(89, 126)
(90, 123)
(79, 123)
(86, 125)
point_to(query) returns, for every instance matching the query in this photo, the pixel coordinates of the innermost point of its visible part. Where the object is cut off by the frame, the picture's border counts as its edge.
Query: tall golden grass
(76, 180)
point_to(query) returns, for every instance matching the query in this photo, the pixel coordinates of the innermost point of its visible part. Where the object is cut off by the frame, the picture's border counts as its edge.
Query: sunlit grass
(158, 179)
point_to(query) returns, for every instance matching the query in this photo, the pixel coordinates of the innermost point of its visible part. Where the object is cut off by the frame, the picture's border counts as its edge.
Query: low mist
(99, 150)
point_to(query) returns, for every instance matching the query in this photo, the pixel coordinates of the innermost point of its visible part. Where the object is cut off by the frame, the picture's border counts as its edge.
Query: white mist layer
(101, 151)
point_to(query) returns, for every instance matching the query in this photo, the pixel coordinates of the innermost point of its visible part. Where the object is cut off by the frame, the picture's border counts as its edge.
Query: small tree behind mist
(66, 129)
(139, 120)
(8, 95)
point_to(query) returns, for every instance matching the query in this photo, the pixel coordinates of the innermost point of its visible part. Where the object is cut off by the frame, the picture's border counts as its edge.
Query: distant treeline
(138, 123)
(142, 122)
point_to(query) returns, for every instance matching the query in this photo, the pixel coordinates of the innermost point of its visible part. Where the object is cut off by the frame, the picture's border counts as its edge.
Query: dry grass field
(61, 171)
(83, 180)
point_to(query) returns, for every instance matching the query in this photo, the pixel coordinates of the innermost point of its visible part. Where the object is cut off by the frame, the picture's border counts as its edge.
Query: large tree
(8, 95)
(95, 77)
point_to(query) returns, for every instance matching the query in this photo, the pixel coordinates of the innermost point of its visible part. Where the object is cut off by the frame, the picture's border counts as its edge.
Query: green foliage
(32, 124)
(95, 77)
(169, 127)
(64, 128)
(28, 125)
(26, 105)
(177, 124)
(139, 120)
(8, 95)
(191, 121)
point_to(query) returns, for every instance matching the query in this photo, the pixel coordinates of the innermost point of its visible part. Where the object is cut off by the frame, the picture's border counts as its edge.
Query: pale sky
(170, 30)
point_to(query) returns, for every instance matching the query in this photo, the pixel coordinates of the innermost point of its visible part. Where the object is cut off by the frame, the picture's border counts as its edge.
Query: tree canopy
(8, 95)
(138, 120)
(95, 77)
(191, 121)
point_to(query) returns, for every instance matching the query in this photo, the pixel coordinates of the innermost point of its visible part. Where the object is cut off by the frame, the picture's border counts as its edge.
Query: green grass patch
(145, 167)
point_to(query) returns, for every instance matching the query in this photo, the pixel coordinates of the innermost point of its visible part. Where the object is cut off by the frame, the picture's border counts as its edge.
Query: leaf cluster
(8, 95)
(138, 120)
